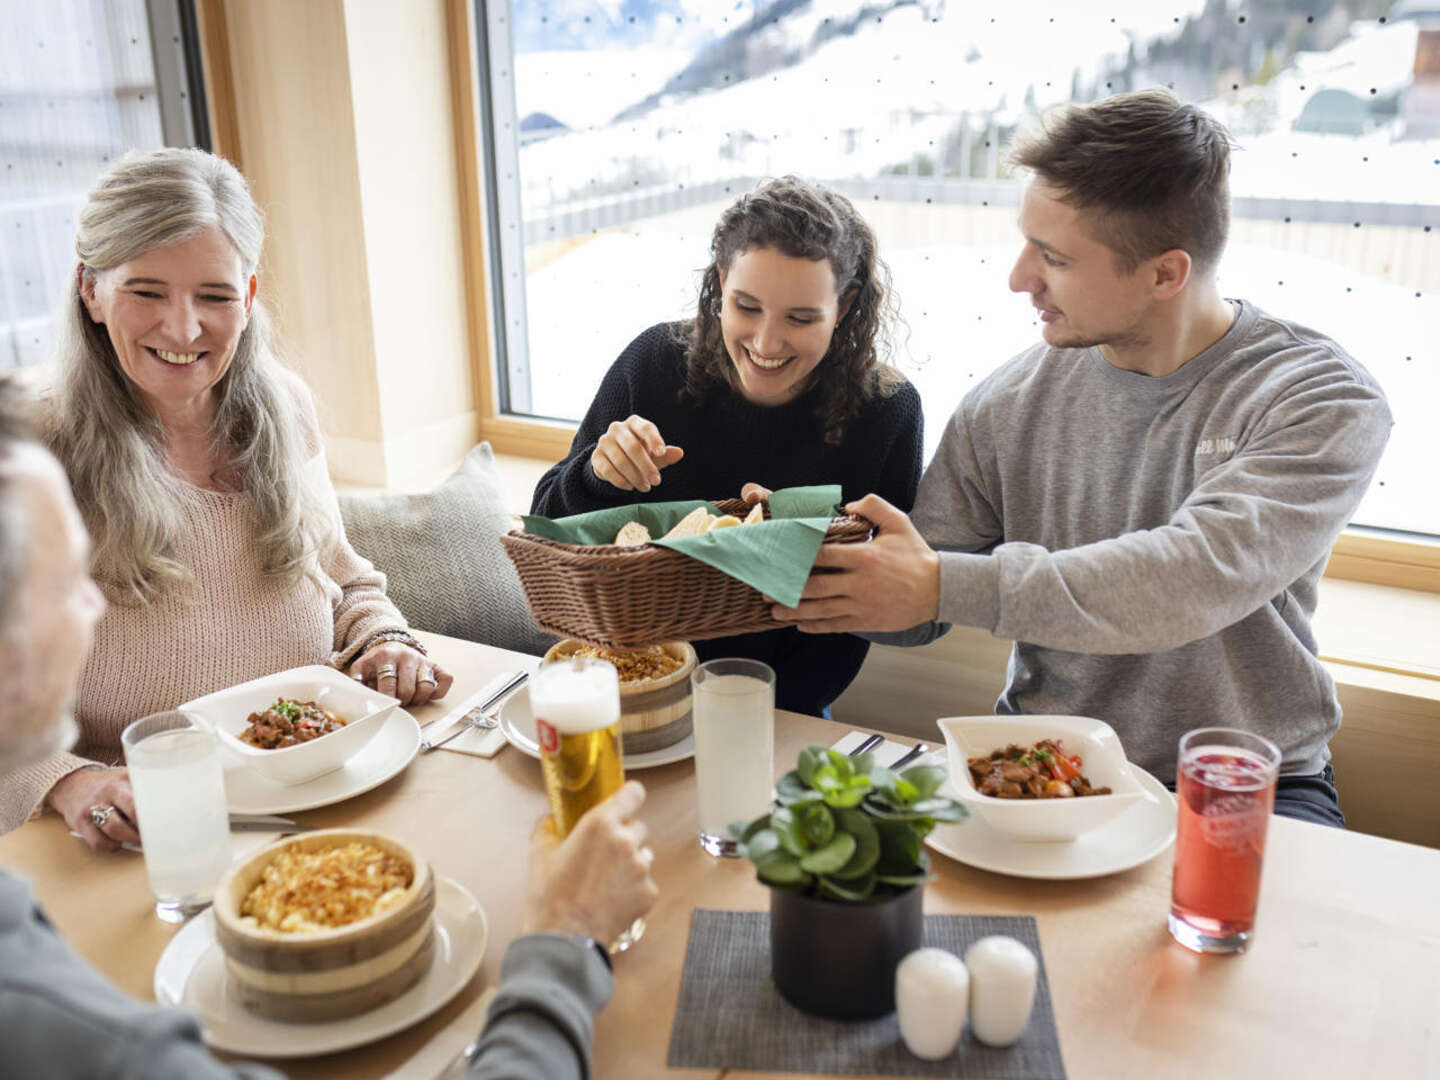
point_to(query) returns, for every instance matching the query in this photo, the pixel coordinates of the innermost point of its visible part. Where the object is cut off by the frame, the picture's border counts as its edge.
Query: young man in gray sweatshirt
(1146, 501)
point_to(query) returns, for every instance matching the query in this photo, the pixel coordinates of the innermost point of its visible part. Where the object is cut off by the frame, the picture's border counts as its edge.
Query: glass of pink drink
(1225, 785)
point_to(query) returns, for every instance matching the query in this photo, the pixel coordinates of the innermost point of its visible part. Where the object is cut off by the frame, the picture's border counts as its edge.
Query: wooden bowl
(325, 974)
(654, 713)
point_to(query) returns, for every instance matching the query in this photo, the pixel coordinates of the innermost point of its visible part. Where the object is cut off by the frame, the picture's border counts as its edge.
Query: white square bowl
(1103, 764)
(363, 710)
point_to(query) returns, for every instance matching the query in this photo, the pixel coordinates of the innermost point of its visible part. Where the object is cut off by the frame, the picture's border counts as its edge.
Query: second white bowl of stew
(1044, 778)
(296, 725)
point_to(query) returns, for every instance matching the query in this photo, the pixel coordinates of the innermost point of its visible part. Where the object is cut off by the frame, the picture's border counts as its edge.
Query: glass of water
(179, 786)
(734, 722)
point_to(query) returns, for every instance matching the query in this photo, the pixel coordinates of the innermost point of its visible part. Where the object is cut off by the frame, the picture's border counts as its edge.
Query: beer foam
(575, 700)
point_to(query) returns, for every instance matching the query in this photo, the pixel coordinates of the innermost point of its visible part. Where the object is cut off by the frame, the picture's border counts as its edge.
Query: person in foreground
(61, 1018)
(778, 381)
(1145, 502)
(195, 460)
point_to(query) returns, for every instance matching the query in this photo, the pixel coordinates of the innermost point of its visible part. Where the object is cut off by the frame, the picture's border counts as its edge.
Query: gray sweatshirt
(60, 1018)
(1153, 545)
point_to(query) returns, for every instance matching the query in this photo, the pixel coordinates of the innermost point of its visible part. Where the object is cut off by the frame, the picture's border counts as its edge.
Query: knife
(867, 743)
(475, 706)
(265, 823)
(909, 756)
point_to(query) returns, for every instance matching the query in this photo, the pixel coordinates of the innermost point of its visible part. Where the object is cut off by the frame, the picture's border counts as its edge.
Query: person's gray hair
(111, 445)
(14, 529)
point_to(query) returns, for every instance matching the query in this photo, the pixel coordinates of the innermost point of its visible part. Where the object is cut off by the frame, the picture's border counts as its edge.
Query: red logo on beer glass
(549, 737)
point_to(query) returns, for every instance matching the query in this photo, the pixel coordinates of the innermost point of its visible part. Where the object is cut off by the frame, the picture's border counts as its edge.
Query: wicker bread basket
(628, 597)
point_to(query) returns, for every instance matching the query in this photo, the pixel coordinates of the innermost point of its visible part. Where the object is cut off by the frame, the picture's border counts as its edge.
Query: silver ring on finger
(100, 814)
(385, 671)
(427, 679)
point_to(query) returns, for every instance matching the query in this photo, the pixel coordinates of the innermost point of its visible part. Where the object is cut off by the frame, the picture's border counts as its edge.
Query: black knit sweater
(729, 442)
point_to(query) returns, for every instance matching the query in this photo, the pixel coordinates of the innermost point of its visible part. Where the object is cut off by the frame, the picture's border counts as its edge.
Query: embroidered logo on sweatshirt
(1224, 446)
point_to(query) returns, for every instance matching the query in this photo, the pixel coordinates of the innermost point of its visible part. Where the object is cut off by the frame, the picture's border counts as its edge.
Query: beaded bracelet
(383, 636)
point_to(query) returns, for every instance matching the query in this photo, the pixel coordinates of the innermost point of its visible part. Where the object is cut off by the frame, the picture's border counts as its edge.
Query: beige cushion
(441, 556)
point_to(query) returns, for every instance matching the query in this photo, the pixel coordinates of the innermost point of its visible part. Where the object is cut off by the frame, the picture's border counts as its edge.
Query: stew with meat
(1042, 771)
(289, 723)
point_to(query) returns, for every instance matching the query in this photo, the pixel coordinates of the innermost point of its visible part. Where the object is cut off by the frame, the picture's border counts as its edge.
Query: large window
(618, 129)
(81, 82)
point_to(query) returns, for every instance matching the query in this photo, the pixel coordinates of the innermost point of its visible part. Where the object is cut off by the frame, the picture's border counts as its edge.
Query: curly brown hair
(804, 221)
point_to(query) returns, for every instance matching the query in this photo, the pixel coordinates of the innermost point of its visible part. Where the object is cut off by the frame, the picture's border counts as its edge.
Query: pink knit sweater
(239, 624)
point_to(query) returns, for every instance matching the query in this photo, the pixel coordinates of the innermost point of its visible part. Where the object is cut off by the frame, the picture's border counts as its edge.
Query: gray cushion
(442, 560)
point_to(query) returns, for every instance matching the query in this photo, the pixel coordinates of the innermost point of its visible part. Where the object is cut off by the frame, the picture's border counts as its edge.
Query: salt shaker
(1002, 989)
(932, 990)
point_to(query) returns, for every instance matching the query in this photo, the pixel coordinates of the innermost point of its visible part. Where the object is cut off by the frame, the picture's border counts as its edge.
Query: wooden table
(1343, 978)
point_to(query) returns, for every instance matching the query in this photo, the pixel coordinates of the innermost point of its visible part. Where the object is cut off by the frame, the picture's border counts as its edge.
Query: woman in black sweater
(777, 382)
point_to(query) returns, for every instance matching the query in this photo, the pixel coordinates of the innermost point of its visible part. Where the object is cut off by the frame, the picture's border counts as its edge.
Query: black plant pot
(838, 960)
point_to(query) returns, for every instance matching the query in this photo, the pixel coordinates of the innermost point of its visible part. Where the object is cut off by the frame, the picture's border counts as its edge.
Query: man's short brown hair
(1154, 170)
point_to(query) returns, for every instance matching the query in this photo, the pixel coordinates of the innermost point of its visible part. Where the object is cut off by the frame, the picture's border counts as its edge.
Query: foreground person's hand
(631, 454)
(394, 668)
(597, 882)
(74, 796)
(891, 583)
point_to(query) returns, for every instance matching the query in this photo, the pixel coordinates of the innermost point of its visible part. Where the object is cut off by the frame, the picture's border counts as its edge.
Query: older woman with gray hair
(196, 462)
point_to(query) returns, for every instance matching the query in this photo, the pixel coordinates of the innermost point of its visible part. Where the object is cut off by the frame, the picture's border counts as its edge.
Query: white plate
(518, 727)
(1136, 836)
(387, 755)
(191, 975)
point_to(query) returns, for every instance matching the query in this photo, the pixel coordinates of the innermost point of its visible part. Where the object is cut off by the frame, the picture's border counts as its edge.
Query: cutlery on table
(909, 756)
(472, 714)
(867, 743)
(265, 823)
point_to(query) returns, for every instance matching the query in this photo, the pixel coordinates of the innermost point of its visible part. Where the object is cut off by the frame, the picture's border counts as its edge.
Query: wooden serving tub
(654, 713)
(333, 973)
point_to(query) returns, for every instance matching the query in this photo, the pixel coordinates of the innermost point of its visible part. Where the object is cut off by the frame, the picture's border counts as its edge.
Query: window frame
(1375, 556)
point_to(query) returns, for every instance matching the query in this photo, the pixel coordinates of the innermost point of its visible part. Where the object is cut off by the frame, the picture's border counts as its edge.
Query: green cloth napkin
(774, 556)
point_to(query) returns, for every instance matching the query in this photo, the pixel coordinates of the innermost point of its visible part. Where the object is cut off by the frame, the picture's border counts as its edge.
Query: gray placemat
(730, 1016)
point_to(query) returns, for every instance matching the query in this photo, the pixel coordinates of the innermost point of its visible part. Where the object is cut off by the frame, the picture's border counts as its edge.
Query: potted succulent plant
(843, 854)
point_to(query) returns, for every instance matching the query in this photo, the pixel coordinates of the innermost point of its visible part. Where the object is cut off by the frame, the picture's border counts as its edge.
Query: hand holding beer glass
(576, 703)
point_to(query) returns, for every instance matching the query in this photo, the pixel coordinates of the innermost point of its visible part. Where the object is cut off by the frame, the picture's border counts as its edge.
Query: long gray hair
(112, 445)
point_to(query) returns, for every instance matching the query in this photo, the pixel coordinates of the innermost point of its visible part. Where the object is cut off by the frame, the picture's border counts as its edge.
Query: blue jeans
(1310, 798)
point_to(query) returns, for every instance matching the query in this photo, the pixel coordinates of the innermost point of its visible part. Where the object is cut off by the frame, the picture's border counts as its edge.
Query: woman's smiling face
(777, 316)
(174, 316)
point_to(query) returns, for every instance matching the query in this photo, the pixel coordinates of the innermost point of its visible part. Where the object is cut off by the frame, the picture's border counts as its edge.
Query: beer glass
(576, 704)
(179, 787)
(1225, 785)
(734, 717)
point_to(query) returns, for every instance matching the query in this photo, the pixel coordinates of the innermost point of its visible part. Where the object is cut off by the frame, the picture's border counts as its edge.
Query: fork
(468, 722)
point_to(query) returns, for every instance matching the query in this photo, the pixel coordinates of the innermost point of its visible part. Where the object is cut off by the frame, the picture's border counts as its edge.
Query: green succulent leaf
(787, 828)
(831, 857)
(881, 812)
(743, 831)
(761, 845)
(900, 848)
(867, 844)
(850, 794)
(811, 759)
(903, 879)
(863, 763)
(941, 809)
(926, 779)
(854, 891)
(780, 868)
(817, 824)
(792, 791)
